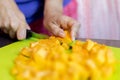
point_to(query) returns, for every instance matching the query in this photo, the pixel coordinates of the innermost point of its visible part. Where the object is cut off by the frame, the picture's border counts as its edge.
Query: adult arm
(12, 20)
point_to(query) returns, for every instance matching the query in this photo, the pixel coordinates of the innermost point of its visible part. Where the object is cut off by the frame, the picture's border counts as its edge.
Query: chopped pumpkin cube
(58, 58)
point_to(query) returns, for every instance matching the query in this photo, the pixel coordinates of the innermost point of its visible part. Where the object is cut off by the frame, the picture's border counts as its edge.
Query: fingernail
(23, 34)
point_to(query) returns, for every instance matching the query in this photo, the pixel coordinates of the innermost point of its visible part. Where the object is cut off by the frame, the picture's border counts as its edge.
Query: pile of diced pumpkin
(58, 58)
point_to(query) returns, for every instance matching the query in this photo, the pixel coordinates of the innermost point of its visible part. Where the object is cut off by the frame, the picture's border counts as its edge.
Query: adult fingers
(5, 31)
(4, 25)
(21, 32)
(19, 28)
(12, 34)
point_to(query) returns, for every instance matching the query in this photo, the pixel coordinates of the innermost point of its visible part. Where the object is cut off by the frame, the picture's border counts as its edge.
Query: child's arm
(55, 21)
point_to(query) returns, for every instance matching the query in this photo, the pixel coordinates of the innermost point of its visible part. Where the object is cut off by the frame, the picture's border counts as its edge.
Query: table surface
(5, 40)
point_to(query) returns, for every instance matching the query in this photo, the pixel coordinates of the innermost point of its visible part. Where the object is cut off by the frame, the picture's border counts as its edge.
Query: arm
(56, 22)
(12, 21)
(52, 7)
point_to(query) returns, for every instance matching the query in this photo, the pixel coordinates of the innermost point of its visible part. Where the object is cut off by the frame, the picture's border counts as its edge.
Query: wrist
(53, 7)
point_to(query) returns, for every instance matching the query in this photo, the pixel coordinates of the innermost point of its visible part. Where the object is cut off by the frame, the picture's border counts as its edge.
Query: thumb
(74, 30)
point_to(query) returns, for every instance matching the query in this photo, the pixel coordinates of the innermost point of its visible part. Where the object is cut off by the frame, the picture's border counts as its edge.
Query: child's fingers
(74, 29)
(70, 24)
(63, 21)
(56, 30)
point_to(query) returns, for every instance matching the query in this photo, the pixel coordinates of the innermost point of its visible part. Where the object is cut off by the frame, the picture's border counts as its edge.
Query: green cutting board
(10, 52)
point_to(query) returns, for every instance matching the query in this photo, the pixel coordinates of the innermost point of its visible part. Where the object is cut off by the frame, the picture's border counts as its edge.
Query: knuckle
(5, 22)
(5, 31)
(13, 24)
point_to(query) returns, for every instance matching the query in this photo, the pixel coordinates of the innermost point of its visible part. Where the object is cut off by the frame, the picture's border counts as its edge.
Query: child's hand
(12, 21)
(56, 24)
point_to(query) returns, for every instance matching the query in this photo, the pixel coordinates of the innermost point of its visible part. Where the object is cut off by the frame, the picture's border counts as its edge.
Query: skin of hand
(12, 21)
(56, 22)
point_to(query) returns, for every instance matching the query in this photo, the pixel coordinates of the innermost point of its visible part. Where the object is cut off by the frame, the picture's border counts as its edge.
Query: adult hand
(12, 21)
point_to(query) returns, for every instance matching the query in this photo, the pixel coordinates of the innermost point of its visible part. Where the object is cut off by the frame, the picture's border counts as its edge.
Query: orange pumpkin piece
(58, 58)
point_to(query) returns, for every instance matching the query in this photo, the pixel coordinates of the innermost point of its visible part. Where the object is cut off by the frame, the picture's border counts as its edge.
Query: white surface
(99, 19)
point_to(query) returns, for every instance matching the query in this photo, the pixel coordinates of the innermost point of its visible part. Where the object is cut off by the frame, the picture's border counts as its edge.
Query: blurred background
(100, 19)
